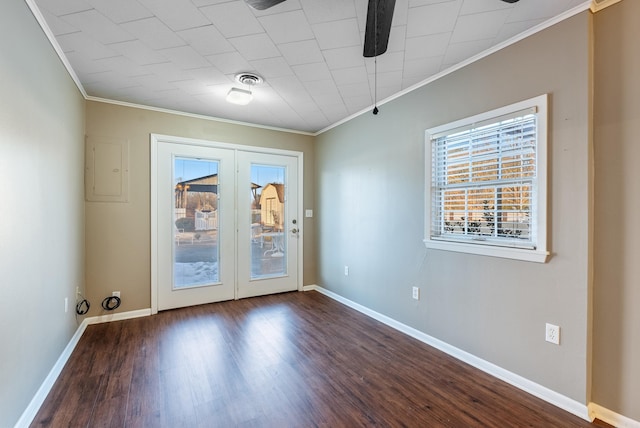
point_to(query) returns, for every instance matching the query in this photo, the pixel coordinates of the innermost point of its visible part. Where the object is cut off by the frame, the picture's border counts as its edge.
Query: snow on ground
(198, 273)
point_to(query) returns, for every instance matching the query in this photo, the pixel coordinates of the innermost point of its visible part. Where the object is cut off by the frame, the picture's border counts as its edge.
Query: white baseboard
(518, 381)
(32, 409)
(612, 418)
(119, 316)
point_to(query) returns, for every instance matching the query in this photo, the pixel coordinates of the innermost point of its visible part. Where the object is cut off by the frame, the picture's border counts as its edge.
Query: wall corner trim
(34, 406)
(598, 412)
(518, 381)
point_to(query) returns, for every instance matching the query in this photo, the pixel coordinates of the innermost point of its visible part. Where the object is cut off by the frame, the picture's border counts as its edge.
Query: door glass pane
(195, 221)
(268, 222)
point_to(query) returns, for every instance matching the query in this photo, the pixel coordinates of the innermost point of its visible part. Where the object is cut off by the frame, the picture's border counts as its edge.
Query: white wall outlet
(552, 333)
(66, 305)
(346, 271)
(416, 293)
(308, 213)
(116, 293)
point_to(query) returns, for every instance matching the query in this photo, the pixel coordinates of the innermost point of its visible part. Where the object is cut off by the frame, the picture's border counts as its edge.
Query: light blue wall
(41, 207)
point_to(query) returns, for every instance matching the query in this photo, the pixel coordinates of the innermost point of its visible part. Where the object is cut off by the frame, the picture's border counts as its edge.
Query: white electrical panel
(106, 169)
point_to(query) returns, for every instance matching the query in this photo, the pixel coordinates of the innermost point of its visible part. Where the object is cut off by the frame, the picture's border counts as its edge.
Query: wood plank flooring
(287, 360)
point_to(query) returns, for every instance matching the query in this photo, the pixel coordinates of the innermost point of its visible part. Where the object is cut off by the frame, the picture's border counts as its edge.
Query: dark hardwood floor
(288, 360)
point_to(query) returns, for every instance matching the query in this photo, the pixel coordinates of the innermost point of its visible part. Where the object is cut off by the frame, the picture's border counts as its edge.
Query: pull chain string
(375, 58)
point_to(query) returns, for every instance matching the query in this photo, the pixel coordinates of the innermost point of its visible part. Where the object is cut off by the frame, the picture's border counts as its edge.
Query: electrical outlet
(346, 271)
(552, 334)
(116, 293)
(416, 293)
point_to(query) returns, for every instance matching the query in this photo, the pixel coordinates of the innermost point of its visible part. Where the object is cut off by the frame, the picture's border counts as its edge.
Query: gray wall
(616, 351)
(370, 199)
(41, 207)
(118, 234)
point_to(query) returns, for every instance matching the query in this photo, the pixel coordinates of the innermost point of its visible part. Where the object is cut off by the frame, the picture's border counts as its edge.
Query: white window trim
(540, 254)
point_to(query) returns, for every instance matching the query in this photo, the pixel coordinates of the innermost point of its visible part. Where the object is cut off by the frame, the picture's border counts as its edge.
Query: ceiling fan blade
(376, 35)
(263, 4)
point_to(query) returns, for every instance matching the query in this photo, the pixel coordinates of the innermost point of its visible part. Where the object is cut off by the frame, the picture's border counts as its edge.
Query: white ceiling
(183, 54)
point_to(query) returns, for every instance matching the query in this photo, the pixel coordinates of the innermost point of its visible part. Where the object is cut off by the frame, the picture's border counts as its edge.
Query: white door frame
(159, 138)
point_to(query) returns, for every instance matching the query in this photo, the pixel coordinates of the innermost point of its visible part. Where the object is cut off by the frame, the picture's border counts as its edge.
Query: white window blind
(486, 183)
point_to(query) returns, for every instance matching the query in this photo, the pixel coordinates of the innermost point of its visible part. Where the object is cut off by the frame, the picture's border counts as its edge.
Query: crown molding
(598, 5)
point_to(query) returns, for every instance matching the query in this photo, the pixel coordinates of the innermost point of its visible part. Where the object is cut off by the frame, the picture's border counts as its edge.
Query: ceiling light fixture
(243, 96)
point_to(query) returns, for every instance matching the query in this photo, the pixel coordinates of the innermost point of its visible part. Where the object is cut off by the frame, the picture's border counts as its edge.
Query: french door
(224, 222)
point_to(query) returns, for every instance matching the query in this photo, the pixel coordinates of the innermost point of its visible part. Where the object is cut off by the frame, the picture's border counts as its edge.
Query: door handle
(294, 230)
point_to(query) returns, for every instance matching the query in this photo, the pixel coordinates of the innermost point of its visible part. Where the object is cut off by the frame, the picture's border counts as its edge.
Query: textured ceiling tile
(392, 61)
(272, 67)
(397, 38)
(358, 103)
(334, 112)
(427, 46)
(90, 48)
(176, 14)
(233, 19)
(138, 52)
(311, 72)
(328, 10)
(99, 26)
(419, 69)
(303, 52)
(287, 27)
(120, 11)
(349, 76)
(229, 63)
(207, 40)
(83, 65)
(400, 13)
(153, 33)
(479, 6)
(63, 7)
(432, 19)
(255, 46)
(352, 90)
(57, 25)
(337, 34)
(479, 26)
(123, 66)
(166, 71)
(344, 57)
(185, 57)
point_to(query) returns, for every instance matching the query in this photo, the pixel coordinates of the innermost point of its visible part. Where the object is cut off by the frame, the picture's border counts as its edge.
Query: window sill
(536, 256)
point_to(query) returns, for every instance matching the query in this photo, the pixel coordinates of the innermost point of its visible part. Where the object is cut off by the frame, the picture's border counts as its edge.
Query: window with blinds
(484, 180)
